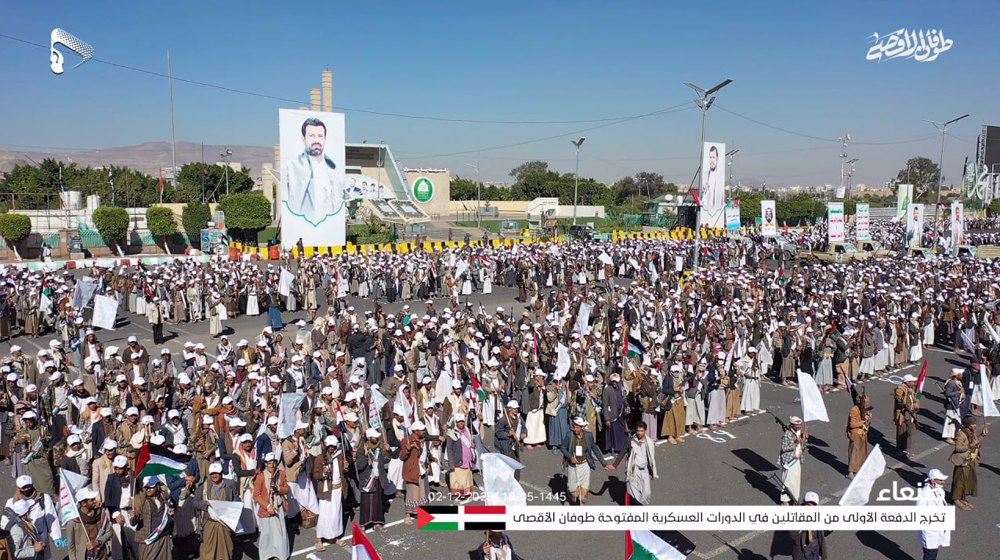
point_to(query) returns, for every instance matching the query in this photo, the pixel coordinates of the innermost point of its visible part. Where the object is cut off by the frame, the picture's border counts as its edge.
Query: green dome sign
(423, 190)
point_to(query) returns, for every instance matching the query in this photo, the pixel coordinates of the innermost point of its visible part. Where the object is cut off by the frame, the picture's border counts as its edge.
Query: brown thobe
(857, 440)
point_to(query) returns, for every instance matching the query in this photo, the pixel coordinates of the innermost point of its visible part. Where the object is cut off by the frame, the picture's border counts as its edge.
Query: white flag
(69, 484)
(225, 512)
(105, 312)
(989, 407)
(285, 282)
(498, 479)
(562, 364)
(860, 488)
(288, 413)
(606, 259)
(813, 407)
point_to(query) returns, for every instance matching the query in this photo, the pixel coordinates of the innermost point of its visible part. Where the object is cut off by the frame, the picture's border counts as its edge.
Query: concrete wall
(519, 209)
(439, 205)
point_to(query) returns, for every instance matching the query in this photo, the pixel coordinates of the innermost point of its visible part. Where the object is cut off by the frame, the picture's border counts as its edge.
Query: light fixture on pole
(843, 162)
(576, 175)
(704, 103)
(943, 127)
(730, 154)
(225, 155)
(850, 176)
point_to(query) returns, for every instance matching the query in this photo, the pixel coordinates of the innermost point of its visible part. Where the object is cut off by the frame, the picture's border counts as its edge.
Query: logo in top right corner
(920, 45)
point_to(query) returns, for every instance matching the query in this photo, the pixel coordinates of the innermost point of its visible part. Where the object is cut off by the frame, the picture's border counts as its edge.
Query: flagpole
(173, 138)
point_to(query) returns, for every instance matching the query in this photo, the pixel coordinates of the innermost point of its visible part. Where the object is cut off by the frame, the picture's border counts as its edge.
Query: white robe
(931, 497)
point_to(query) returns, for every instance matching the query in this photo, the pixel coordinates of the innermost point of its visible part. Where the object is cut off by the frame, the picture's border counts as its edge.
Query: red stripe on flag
(920, 380)
(359, 538)
(697, 199)
(629, 548)
(485, 510)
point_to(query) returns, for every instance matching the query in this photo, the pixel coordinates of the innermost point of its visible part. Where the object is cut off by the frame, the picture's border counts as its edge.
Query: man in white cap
(810, 544)
(461, 451)
(371, 465)
(328, 475)
(413, 453)
(510, 432)
(33, 445)
(931, 494)
(904, 414)
(295, 452)
(152, 512)
(954, 398)
(613, 411)
(270, 493)
(580, 452)
(42, 513)
(23, 532)
(217, 537)
(793, 444)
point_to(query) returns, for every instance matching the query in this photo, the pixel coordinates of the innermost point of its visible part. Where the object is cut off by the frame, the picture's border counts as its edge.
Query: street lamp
(704, 103)
(479, 202)
(850, 176)
(730, 155)
(943, 127)
(576, 176)
(225, 154)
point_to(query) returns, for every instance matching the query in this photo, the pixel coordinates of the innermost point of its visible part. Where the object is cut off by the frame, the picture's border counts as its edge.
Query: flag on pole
(920, 380)
(362, 549)
(647, 545)
(161, 183)
(860, 488)
(477, 389)
(813, 407)
(155, 460)
(499, 482)
(697, 199)
(851, 388)
(989, 407)
(634, 348)
(69, 484)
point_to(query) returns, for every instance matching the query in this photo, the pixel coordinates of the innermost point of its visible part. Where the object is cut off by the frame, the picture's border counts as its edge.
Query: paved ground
(726, 467)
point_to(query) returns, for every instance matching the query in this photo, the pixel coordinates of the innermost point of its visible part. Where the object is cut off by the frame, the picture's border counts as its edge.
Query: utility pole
(843, 161)
(173, 136)
(576, 175)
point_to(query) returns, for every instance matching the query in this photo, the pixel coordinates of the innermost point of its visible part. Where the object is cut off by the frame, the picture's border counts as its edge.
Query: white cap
(300, 425)
(158, 439)
(132, 411)
(215, 468)
(350, 417)
(181, 449)
(146, 419)
(373, 433)
(513, 404)
(270, 457)
(24, 480)
(73, 440)
(795, 420)
(459, 417)
(120, 462)
(418, 425)
(245, 437)
(580, 422)
(935, 474)
(811, 497)
(227, 400)
(86, 493)
(456, 384)
(29, 415)
(330, 441)
(272, 421)
(173, 414)
(109, 444)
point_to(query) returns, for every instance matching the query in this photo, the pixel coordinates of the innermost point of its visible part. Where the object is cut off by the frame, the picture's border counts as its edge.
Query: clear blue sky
(796, 65)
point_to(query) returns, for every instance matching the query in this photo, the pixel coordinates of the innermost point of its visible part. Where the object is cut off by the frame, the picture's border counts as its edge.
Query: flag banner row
(686, 518)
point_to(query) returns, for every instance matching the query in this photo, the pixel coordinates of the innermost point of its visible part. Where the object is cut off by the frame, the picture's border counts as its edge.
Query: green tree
(920, 172)
(162, 224)
(463, 189)
(14, 228)
(204, 182)
(528, 168)
(994, 208)
(112, 223)
(194, 217)
(246, 214)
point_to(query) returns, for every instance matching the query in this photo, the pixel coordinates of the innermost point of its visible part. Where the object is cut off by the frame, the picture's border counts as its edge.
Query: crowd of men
(607, 349)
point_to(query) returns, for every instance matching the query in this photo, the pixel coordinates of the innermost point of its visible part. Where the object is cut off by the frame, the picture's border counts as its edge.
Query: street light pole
(225, 161)
(943, 127)
(850, 177)
(730, 154)
(576, 175)
(479, 202)
(704, 102)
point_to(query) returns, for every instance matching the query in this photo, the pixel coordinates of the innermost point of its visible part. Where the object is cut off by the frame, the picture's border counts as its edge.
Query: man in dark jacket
(510, 432)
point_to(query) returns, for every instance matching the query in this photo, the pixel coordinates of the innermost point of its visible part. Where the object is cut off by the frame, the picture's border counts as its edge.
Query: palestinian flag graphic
(461, 518)
(155, 460)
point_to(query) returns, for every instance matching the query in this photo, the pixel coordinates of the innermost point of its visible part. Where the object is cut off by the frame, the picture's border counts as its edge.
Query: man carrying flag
(906, 405)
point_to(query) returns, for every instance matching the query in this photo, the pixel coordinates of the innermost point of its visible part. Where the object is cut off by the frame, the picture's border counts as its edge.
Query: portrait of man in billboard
(713, 185)
(310, 184)
(914, 225)
(957, 226)
(769, 216)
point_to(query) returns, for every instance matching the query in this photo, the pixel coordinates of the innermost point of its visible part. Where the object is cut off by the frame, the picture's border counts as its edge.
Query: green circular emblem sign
(423, 190)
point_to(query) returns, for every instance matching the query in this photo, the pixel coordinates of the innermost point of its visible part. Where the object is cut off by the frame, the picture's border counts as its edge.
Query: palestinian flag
(697, 199)
(477, 389)
(461, 518)
(157, 459)
(920, 380)
(661, 545)
(362, 549)
(634, 348)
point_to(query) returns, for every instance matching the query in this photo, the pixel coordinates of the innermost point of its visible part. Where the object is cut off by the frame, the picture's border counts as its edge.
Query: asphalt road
(728, 467)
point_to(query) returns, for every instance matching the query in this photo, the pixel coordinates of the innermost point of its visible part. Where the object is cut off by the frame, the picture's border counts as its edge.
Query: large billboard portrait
(914, 225)
(957, 224)
(312, 178)
(713, 185)
(768, 219)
